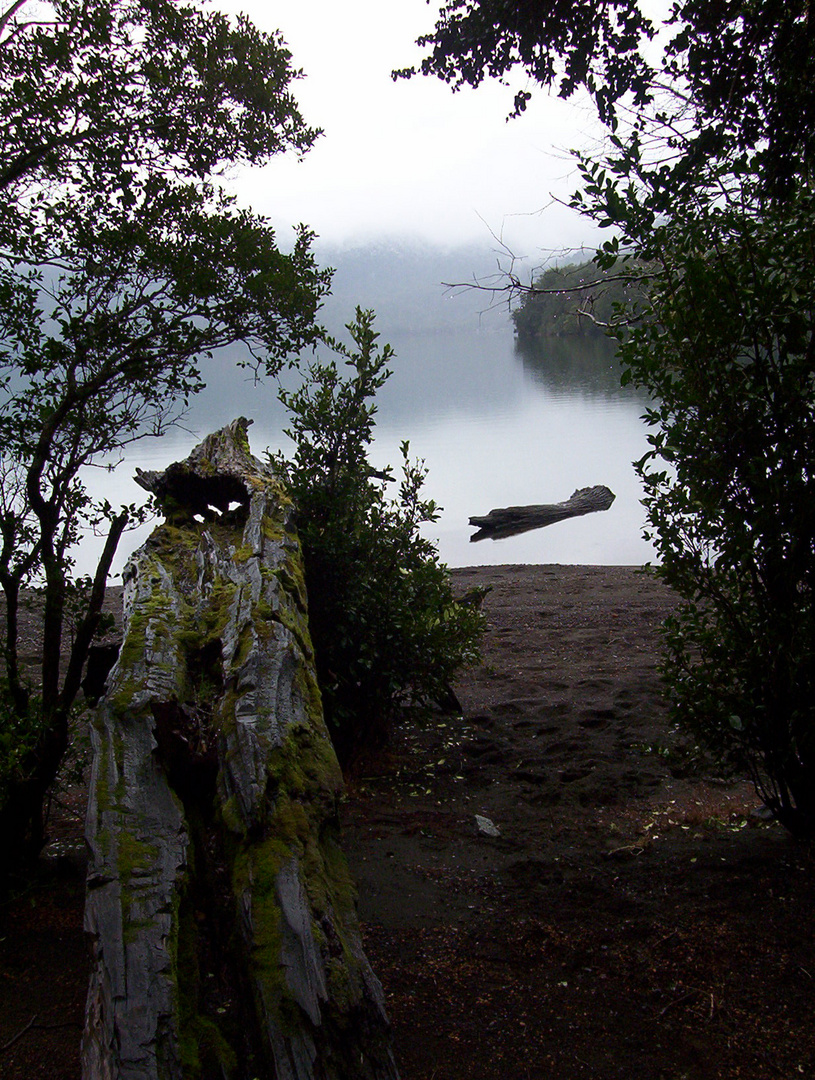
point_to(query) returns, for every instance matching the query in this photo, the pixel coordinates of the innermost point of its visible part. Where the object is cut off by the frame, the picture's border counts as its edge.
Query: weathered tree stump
(219, 903)
(512, 520)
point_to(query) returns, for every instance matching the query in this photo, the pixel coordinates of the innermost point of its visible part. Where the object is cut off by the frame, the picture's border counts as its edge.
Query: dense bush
(19, 735)
(730, 488)
(728, 359)
(386, 628)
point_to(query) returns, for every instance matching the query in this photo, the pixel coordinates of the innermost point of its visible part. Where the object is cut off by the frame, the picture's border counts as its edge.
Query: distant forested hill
(561, 292)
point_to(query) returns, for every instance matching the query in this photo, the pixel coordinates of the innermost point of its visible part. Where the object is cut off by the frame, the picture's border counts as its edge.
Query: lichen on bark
(219, 905)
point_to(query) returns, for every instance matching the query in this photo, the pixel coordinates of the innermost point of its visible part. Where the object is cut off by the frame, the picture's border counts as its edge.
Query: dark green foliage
(94, 91)
(574, 299)
(19, 735)
(728, 356)
(748, 68)
(385, 626)
(730, 489)
(571, 43)
(750, 72)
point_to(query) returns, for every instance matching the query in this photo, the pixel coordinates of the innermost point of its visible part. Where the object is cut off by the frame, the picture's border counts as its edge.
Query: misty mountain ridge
(404, 283)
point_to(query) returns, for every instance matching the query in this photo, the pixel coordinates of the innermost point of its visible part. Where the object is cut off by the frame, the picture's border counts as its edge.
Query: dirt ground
(634, 917)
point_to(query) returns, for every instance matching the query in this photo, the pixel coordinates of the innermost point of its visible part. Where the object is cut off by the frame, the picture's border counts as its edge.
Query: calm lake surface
(496, 425)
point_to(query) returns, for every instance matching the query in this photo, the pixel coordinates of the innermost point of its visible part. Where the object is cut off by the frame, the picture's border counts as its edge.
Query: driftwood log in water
(512, 520)
(220, 908)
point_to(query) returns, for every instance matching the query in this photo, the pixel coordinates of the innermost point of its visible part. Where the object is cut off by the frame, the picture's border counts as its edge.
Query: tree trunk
(219, 903)
(519, 519)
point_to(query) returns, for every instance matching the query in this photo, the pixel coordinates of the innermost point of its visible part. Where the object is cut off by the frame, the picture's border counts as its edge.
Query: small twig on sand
(19, 1035)
(680, 1000)
(32, 1023)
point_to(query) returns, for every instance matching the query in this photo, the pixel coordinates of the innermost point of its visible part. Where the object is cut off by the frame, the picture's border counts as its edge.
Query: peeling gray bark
(219, 905)
(512, 520)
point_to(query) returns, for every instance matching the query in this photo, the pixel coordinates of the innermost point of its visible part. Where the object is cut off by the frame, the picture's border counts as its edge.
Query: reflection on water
(568, 365)
(497, 424)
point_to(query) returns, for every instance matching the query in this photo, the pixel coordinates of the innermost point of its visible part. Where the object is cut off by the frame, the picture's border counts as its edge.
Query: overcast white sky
(411, 160)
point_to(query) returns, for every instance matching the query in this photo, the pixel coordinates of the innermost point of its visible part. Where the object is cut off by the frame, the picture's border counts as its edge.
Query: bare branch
(514, 285)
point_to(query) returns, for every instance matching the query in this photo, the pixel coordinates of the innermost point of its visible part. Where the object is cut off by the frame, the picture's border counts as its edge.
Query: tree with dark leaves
(123, 262)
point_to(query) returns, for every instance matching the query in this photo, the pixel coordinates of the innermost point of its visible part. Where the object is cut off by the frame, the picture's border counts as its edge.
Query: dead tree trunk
(219, 904)
(519, 519)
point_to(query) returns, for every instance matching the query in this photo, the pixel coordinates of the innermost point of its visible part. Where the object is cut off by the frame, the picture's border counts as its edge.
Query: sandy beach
(552, 885)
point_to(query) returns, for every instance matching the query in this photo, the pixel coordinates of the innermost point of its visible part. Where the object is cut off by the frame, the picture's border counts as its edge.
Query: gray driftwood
(512, 520)
(219, 906)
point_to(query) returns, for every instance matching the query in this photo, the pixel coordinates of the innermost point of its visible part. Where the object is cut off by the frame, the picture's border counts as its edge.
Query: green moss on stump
(304, 781)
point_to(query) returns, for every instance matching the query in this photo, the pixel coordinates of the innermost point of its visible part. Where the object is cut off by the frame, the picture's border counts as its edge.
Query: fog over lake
(496, 425)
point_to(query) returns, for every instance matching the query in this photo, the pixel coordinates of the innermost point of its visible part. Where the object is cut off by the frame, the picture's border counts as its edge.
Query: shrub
(730, 488)
(386, 627)
(19, 735)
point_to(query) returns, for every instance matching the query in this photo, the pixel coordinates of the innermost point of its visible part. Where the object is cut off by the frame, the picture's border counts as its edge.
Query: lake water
(496, 427)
